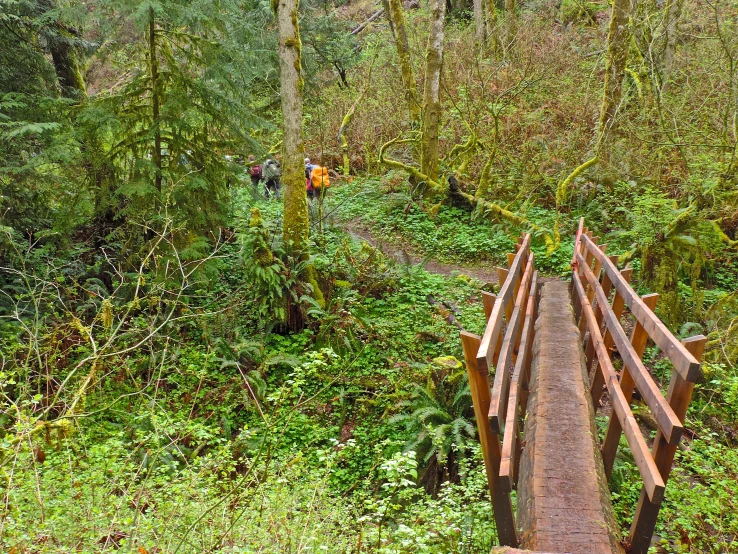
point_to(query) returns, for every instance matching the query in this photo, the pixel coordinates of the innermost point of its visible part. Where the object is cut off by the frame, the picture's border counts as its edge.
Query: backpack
(255, 171)
(271, 169)
(319, 177)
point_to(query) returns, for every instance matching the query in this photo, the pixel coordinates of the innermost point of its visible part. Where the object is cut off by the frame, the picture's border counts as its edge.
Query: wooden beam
(679, 395)
(684, 362)
(639, 339)
(511, 444)
(668, 421)
(479, 386)
(488, 300)
(652, 481)
(492, 332)
(500, 386)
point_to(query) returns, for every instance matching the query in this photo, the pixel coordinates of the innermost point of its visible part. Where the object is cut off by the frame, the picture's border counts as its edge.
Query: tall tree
(672, 16)
(431, 91)
(397, 22)
(617, 58)
(491, 32)
(479, 27)
(295, 225)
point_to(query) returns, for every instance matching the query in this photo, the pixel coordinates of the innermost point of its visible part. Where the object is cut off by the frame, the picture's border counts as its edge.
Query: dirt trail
(405, 254)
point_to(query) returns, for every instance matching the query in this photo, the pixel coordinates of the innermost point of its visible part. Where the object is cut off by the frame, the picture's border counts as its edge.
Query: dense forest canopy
(198, 357)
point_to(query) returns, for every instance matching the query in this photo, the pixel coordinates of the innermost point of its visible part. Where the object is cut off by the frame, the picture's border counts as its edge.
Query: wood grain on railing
(517, 403)
(503, 369)
(598, 316)
(504, 298)
(684, 362)
(646, 466)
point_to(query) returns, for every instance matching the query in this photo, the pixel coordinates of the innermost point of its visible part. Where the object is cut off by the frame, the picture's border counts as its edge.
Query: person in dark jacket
(271, 171)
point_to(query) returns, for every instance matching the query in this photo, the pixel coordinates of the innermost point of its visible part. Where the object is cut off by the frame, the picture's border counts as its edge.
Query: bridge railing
(595, 277)
(506, 346)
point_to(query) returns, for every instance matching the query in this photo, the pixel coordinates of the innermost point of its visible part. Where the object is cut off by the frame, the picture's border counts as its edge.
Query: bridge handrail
(669, 412)
(513, 310)
(500, 385)
(684, 362)
(646, 466)
(518, 399)
(488, 345)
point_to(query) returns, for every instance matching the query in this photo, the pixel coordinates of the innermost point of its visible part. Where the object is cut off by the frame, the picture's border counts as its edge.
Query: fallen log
(372, 18)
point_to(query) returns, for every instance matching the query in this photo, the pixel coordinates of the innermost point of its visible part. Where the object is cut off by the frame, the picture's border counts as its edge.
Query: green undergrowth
(224, 434)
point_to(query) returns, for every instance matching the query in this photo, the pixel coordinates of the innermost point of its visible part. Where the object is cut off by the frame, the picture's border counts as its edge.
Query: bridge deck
(563, 498)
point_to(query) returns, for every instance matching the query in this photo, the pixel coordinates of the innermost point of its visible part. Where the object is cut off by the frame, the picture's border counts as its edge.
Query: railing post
(679, 396)
(639, 339)
(491, 448)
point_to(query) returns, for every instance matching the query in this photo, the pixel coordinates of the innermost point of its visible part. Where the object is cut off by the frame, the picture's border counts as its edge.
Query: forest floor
(406, 255)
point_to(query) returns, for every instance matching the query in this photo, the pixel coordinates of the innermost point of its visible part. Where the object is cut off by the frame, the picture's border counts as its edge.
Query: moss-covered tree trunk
(67, 70)
(397, 21)
(617, 58)
(431, 92)
(295, 224)
(671, 28)
(479, 29)
(493, 40)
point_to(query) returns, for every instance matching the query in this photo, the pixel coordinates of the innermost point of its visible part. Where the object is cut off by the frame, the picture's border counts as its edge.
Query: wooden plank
(639, 339)
(679, 395)
(668, 421)
(488, 300)
(500, 386)
(510, 259)
(479, 385)
(684, 362)
(618, 305)
(589, 349)
(511, 445)
(494, 324)
(577, 241)
(652, 481)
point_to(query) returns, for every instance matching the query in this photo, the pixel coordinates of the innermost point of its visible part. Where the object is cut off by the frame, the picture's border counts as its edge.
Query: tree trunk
(492, 36)
(397, 21)
(431, 92)
(295, 224)
(617, 58)
(479, 28)
(671, 27)
(67, 70)
(155, 99)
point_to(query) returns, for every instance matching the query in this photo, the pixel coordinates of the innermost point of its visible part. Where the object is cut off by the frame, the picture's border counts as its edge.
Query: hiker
(308, 184)
(254, 172)
(319, 181)
(271, 171)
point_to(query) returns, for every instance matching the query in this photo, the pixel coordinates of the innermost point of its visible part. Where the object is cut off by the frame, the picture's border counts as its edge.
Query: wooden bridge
(553, 350)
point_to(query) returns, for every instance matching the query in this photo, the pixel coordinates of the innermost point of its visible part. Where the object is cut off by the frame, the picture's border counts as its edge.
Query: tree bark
(479, 28)
(617, 58)
(491, 33)
(431, 91)
(397, 21)
(671, 27)
(155, 99)
(295, 224)
(67, 70)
